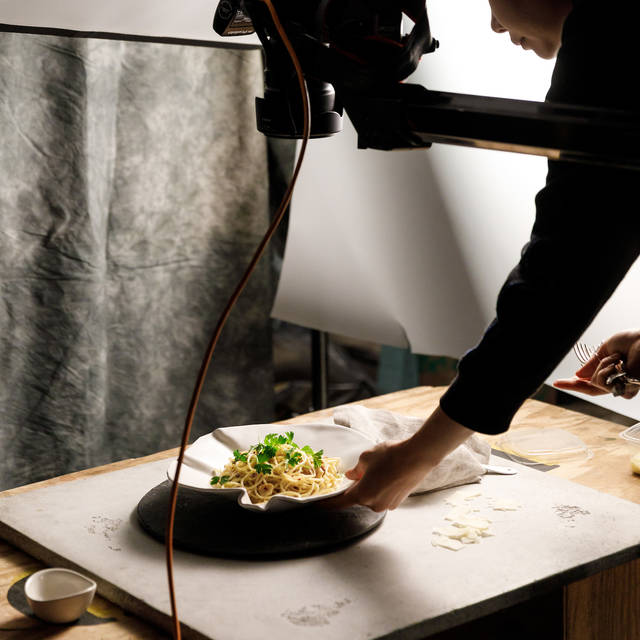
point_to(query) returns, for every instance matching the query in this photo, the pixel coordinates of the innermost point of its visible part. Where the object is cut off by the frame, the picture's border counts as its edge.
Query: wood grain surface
(103, 621)
(594, 608)
(609, 470)
(605, 606)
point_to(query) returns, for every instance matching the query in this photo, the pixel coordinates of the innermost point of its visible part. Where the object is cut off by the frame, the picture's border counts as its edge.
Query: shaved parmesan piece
(506, 504)
(470, 535)
(474, 523)
(451, 532)
(447, 543)
(457, 514)
(461, 497)
(454, 532)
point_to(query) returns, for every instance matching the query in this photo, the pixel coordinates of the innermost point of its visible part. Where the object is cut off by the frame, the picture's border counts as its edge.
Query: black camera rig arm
(355, 57)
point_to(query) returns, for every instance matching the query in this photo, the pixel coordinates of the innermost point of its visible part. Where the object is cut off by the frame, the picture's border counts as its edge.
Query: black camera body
(348, 49)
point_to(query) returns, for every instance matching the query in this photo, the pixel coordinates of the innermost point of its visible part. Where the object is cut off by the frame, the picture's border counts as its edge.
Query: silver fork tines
(584, 352)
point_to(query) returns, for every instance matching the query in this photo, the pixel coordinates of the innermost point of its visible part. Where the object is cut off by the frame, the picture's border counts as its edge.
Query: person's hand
(591, 378)
(386, 474)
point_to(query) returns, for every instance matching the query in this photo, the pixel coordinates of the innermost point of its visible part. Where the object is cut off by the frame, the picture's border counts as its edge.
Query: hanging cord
(226, 312)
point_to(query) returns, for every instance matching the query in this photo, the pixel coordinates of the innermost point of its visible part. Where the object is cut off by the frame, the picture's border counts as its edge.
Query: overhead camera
(354, 58)
(348, 49)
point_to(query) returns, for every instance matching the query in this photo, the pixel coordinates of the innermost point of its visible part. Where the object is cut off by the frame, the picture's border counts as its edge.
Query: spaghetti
(278, 466)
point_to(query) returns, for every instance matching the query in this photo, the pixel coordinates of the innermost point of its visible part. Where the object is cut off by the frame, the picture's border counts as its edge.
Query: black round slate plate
(213, 526)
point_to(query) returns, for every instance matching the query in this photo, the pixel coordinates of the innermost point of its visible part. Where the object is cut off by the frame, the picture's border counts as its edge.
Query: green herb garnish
(263, 467)
(275, 439)
(316, 455)
(293, 457)
(239, 457)
(268, 449)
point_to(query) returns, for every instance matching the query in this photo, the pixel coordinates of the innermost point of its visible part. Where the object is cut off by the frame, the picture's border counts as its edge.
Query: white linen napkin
(463, 465)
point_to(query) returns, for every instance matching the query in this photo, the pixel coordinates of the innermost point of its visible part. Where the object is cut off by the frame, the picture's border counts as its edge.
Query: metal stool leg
(319, 369)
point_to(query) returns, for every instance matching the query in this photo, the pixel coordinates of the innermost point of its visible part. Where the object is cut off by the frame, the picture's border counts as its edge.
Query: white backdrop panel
(371, 253)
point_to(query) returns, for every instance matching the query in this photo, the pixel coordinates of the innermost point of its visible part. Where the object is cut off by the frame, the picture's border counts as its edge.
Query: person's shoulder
(596, 63)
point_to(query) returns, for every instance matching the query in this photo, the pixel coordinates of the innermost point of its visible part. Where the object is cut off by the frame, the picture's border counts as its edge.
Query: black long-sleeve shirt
(585, 237)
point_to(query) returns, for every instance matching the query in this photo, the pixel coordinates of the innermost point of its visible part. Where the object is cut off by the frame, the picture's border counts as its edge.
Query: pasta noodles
(278, 466)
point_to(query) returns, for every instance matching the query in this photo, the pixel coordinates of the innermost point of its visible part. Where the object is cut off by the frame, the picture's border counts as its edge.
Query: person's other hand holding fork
(613, 368)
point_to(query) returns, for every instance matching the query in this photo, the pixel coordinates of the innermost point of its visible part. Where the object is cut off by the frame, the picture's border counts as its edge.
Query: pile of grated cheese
(467, 525)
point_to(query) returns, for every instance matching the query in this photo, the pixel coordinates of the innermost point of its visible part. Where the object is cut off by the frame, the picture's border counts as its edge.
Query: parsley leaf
(266, 453)
(316, 455)
(263, 467)
(215, 480)
(273, 439)
(293, 457)
(239, 457)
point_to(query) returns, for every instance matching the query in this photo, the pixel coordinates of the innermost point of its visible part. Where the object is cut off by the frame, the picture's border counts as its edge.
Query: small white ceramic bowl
(59, 595)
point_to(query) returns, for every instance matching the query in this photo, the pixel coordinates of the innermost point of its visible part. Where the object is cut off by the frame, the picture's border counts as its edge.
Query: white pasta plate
(212, 451)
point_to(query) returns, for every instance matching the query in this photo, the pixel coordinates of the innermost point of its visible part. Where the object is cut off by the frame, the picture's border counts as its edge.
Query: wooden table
(602, 606)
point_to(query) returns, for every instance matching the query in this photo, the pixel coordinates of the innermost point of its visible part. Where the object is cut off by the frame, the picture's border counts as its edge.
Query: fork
(619, 380)
(584, 352)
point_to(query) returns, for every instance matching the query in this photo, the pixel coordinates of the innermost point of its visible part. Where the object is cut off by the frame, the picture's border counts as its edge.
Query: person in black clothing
(585, 237)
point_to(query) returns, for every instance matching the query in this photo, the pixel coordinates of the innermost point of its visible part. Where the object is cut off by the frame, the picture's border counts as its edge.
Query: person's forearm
(385, 475)
(437, 437)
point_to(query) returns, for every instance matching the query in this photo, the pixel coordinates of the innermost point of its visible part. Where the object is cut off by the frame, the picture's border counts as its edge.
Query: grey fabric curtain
(134, 189)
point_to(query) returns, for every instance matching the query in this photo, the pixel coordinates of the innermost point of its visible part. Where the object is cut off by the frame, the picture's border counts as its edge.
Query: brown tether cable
(225, 314)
